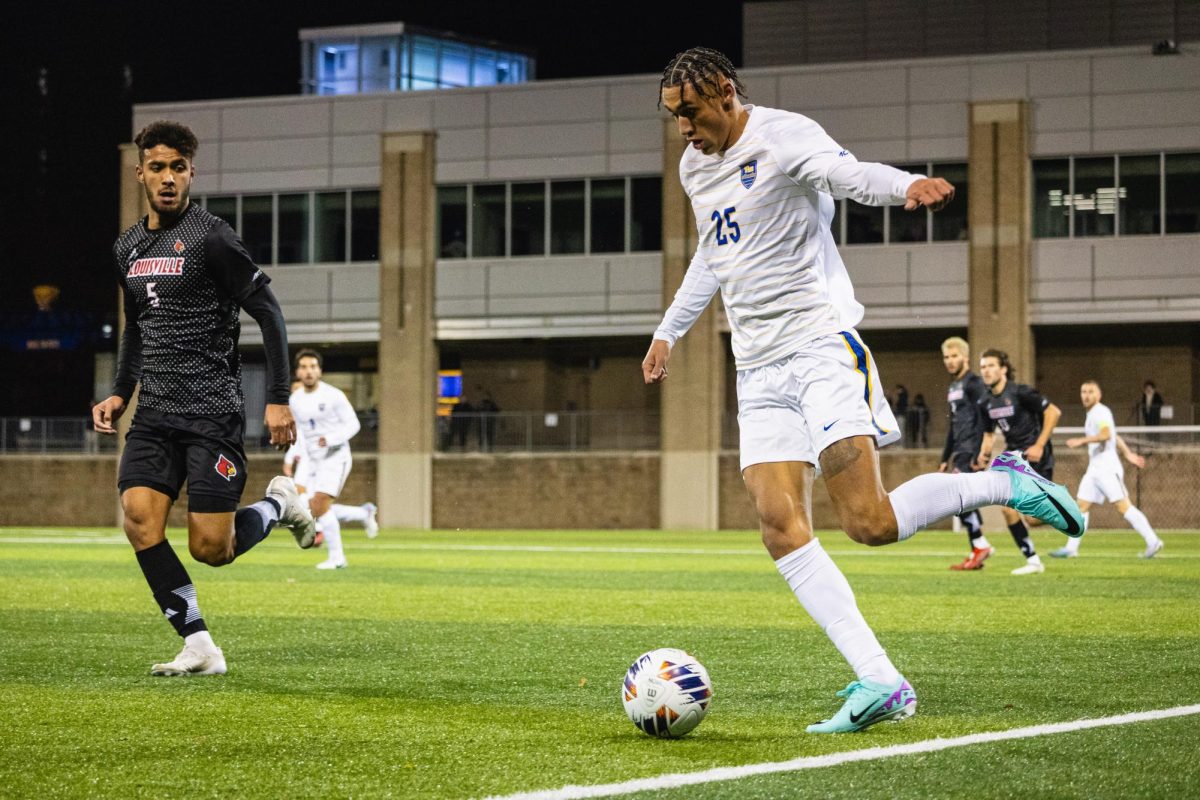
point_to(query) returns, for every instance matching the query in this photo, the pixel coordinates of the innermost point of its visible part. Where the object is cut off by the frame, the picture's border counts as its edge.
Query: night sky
(59, 215)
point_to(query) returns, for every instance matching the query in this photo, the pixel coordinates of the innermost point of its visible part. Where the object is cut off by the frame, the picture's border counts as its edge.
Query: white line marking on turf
(676, 780)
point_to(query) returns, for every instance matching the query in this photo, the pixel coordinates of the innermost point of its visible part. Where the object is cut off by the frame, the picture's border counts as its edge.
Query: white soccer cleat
(371, 523)
(192, 661)
(293, 510)
(333, 564)
(1029, 569)
(1153, 549)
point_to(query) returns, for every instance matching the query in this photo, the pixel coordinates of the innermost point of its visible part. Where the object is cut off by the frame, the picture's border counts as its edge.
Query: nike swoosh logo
(1072, 526)
(869, 711)
(830, 425)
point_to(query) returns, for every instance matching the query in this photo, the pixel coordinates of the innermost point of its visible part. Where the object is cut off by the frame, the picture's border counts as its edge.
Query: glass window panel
(951, 223)
(379, 63)
(528, 219)
(1051, 204)
(337, 67)
(424, 63)
(455, 65)
(1183, 193)
(483, 68)
(1138, 195)
(864, 224)
(645, 214)
(330, 219)
(608, 215)
(223, 207)
(293, 229)
(452, 221)
(256, 227)
(1095, 198)
(566, 217)
(487, 221)
(909, 226)
(364, 226)
(504, 68)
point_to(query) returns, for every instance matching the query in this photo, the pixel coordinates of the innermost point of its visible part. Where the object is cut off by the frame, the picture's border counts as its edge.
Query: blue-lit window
(337, 68)
(455, 67)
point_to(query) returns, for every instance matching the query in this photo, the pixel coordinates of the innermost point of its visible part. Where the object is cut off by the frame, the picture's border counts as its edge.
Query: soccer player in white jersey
(1104, 481)
(293, 467)
(762, 183)
(328, 421)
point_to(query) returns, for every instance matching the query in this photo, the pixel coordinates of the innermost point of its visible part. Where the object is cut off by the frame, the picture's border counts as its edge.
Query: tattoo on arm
(838, 457)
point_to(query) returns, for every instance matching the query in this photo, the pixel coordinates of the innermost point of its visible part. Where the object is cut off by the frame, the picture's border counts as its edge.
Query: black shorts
(1045, 470)
(164, 450)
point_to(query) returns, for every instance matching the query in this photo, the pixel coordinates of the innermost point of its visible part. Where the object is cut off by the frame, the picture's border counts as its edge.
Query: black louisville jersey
(966, 416)
(185, 282)
(1017, 411)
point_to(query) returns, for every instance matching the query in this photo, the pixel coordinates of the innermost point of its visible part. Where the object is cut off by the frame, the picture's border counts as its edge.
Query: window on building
(452, 221)
(1051, 197)
(424, 63)
(951, 223)
(455, 65)
(256, 227)
(329, 220)
(864, 224)
(364, 225)
(528, 233)
(608, 215)
(293, 229)
(566, 217)
(337, 67)
(487, 221)
(380, 63)
(1183, 192)
(1094, 197)
(1140, 194)
(483, 67)
(223, 207)
(909, 226)
(645, 214)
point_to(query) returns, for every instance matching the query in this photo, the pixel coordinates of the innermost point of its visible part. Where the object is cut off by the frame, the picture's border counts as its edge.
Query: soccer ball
(666, 692)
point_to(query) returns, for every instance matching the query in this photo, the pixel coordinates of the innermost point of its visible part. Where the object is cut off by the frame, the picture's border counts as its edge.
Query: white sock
(1072, 545)
(201, 640)
(928, 498)
(823, 591)
(349, 513)
(267, 510)
(981, 543)
(1034, 559)
(1140, 524)
(333, 536)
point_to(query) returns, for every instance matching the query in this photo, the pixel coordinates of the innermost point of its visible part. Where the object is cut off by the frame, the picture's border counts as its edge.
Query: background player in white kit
(761, 182)
(1104, 481)
(328, 422)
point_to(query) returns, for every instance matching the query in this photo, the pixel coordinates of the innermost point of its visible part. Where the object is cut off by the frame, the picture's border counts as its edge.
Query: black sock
(974, 525)
(250, 526)
(1020, 535)
(172, 588)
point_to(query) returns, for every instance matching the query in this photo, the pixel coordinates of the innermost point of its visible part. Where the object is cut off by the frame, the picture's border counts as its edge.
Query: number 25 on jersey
(735, 232)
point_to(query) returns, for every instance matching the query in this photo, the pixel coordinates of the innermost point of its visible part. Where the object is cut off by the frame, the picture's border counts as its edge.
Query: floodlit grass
(463, 664)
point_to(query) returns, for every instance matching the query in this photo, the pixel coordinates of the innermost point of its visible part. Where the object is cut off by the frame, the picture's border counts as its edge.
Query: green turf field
(467, 664)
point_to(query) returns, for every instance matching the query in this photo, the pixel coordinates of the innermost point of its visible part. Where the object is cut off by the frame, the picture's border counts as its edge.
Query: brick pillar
(998, 313)
(693, 394)
(133, 207)
(407, 350)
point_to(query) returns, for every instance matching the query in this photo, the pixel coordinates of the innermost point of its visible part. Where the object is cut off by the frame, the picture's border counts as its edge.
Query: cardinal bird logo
(179, 246)
(225, 468)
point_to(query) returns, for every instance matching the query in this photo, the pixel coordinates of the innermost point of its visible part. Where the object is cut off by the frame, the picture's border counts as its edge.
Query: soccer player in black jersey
(1027, 420)
(964, 436)
(185, 275)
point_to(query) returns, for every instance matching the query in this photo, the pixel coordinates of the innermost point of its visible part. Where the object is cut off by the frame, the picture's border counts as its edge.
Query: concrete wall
(593, 490)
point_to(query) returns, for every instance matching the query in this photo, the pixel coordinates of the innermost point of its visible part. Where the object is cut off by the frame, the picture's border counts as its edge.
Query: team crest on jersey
(225, 468)
(748, 173)
(320, 406)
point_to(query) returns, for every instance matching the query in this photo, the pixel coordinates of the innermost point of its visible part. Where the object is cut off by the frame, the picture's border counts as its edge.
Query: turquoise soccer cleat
(868, 702)
(1037, 497)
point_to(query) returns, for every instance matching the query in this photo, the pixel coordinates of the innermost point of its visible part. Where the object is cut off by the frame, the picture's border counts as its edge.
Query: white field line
(52, 536)
(676, 780)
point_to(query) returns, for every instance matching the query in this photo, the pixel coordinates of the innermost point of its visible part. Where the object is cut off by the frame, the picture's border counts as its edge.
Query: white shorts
(793, 408)
(326, 475)
(1102, 487)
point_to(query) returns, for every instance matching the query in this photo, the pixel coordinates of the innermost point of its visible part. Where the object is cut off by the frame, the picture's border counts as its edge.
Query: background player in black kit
(964, 438)
(185, 274)
(1027, 420)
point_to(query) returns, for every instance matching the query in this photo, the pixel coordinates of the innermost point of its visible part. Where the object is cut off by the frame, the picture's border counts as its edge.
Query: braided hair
(702, 67)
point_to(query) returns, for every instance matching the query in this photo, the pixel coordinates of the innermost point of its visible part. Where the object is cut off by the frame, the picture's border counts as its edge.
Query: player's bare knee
(872, 525)
(212, 552)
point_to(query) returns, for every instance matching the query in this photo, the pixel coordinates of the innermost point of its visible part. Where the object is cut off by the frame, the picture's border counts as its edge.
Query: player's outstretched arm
(654, 365)
(106, 413)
